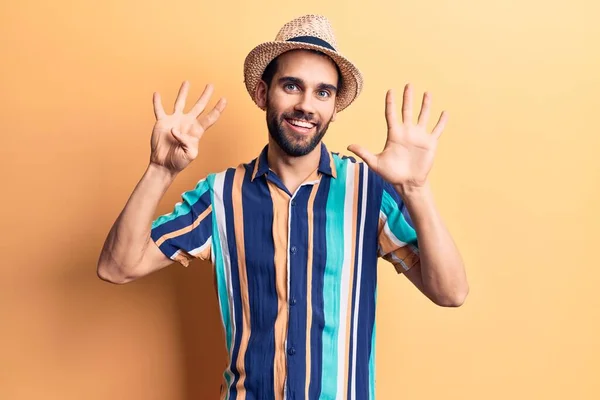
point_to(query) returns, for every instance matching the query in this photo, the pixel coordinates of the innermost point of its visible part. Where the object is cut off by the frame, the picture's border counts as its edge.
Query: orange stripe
(404, 253)
(186, 229)
(255, 168)
(238, 220)
(385, 242)
(351, 282)
(332, 166)
(309, 271)
(380, 227)
(280, 238)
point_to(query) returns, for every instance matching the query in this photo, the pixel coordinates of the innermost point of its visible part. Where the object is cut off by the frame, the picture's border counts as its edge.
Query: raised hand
(175, 137)
(409, 150)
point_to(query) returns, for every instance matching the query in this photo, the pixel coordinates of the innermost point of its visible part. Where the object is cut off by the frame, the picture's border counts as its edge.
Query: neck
(292, 170)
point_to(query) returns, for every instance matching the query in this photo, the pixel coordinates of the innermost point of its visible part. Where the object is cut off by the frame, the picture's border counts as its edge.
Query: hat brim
(260, 57)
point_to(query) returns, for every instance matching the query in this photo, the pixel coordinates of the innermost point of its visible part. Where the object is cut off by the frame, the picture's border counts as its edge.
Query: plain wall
(516, 178)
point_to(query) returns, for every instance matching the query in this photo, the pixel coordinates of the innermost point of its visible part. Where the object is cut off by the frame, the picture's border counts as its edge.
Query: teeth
(301, 124)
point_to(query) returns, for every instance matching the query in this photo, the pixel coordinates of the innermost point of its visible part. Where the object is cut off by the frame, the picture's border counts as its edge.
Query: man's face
(300, 101)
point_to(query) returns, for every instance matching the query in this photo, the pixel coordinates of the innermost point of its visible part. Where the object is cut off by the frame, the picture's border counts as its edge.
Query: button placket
(295, 254)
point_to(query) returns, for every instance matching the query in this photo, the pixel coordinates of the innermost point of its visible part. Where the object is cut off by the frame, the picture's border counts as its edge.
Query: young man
(294, 235)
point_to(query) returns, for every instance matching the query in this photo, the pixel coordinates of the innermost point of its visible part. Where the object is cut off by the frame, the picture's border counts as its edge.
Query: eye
(290, 86)
(324, 93)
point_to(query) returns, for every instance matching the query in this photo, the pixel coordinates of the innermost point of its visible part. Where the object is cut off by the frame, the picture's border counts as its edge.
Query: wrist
(407, 191)
(160, 172)
(418, 200)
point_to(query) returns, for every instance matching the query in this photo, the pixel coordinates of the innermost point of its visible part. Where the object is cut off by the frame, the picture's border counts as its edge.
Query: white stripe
(348, 239)
(388, 232)
(396, 260)
(363, 213)
(219, 209)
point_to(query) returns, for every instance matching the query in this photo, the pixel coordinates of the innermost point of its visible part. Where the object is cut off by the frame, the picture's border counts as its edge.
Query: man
(294, 235)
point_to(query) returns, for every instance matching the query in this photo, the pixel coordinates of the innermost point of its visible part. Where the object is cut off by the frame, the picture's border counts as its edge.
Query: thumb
(365, 154)
(179, 137)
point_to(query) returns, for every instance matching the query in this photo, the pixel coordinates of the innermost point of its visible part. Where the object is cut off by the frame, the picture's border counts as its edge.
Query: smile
(299, 125)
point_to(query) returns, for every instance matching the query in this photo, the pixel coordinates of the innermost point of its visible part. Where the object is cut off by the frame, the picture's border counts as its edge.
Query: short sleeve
(186, 233)
(397, 238)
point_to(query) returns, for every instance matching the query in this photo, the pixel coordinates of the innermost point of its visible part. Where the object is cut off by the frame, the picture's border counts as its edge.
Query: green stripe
(190, 198)
(220, 275)
(372, 360)
(396, 221)
(334, 232)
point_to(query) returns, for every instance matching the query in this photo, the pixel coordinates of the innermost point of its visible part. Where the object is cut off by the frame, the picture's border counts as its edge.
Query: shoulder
(216, 180)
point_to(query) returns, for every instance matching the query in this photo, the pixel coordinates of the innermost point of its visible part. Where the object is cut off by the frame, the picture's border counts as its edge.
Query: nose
(305, 104)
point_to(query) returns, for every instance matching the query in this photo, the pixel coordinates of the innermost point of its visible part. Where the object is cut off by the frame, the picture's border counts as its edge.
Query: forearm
(130, 234)
(442, 270)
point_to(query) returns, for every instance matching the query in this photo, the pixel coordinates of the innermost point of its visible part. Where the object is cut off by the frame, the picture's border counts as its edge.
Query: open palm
(175, 137)
(409, 150)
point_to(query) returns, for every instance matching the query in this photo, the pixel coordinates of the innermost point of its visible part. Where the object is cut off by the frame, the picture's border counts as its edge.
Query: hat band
(311, 40)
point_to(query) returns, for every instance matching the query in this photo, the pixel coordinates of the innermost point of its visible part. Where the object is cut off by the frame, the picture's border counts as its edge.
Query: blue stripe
(368, 287)
(190, 240)
(257, 207)
(298, 258)
(319, 262)
(235, 279)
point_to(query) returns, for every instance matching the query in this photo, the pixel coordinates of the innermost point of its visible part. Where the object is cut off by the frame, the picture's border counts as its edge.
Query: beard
(292, 143)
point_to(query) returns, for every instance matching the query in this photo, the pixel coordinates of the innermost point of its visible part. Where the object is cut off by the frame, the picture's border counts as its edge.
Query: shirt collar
(326, 163)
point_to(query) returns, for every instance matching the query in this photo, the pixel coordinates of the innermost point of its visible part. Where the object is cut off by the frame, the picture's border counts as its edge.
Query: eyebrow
(300, 82)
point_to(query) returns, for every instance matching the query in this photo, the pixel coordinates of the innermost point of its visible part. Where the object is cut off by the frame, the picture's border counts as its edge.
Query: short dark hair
(271, 69)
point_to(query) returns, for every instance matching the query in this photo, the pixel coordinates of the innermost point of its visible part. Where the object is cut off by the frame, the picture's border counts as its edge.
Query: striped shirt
(296, 273)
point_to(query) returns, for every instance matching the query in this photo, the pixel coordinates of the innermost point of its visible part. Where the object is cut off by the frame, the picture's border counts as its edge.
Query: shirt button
(293, 302)
(293, 203)
(294, 249)
(291, 351)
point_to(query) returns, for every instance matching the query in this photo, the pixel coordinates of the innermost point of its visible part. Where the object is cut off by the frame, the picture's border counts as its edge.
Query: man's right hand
(175, 137)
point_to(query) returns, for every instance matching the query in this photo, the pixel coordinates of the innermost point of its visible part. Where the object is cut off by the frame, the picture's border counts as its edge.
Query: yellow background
(516, 178)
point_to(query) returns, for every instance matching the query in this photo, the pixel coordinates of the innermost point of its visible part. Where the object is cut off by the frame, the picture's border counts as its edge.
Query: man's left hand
(409, 150)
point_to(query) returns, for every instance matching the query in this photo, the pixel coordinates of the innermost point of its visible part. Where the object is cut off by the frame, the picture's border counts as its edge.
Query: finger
(181, 97)
(441, 124)
(365, 154)
(202, 101)
(390, 110)
(407, 104)
(209, 119)
(186, 140)
(159, 111)
(424, 113)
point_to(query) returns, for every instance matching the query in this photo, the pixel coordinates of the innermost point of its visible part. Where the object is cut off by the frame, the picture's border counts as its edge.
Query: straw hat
(306, 32)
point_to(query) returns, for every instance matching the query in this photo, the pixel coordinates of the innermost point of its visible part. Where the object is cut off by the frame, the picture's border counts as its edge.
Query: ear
(260, 94)
(334, 115)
